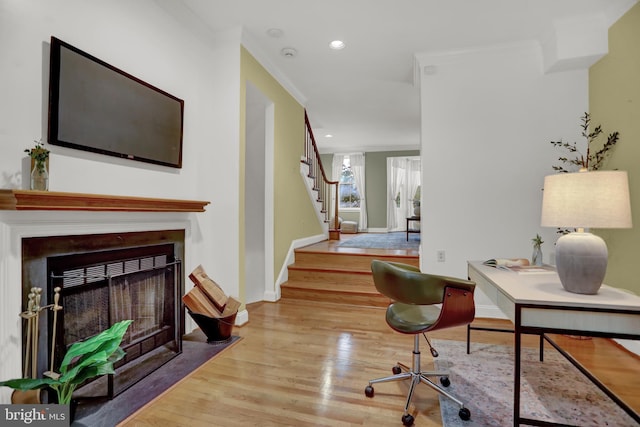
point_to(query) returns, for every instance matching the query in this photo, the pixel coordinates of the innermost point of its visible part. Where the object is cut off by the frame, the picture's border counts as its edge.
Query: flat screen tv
(97, 107)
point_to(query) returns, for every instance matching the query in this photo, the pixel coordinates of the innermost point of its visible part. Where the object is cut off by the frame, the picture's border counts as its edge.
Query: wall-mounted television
(97, 107)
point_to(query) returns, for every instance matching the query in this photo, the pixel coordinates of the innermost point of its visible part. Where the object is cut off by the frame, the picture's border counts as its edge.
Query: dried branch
(590, 161)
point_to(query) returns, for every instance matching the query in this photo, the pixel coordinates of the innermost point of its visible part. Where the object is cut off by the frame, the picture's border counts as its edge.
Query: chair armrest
(458, 308)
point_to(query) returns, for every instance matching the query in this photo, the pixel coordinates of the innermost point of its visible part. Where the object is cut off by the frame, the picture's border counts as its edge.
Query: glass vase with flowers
(39, 166)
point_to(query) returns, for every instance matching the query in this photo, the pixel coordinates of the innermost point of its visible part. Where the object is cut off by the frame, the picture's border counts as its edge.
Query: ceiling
(364, 95)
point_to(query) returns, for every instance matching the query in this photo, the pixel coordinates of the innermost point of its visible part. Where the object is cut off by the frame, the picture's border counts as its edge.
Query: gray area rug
(396, 240)
(101, 412)
(553, 390)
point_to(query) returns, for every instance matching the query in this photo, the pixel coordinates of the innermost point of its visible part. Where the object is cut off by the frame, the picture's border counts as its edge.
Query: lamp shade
(596, 199)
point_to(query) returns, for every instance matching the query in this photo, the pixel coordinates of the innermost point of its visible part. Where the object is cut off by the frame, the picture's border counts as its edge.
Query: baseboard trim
(377, 230)
(272, 296)
(632, 346)
(283, 276)
(242, 317)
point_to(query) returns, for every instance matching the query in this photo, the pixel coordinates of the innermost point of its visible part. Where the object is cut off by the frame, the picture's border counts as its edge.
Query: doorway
(403, 192)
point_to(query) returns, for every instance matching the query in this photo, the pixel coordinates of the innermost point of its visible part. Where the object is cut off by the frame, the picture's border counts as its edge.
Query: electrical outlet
(440, 256)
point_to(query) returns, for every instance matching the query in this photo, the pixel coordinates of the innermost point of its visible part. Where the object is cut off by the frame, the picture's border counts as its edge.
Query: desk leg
(541, 347)
(516, 377)
(407, 230)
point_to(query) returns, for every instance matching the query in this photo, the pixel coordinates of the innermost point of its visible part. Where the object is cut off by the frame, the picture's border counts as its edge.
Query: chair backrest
(406, 284)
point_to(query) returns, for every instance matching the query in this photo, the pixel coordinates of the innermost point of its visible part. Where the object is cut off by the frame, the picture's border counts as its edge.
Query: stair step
(342, 277)
(358, 261)
(362, 295)
(326, 275)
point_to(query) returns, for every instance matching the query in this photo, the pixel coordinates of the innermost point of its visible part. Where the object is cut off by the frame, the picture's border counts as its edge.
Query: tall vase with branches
(594, 158)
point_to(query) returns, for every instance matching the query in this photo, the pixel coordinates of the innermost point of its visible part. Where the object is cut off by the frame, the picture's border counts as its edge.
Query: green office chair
(420, 303)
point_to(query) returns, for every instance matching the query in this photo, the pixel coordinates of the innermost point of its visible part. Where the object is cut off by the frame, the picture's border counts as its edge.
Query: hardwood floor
(302, 362)
(307, 363)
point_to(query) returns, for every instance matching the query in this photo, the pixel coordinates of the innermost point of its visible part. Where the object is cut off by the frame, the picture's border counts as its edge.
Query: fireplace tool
(30, 356)
(32, 316)
(28, 315)
(55, 307)
(35, 334)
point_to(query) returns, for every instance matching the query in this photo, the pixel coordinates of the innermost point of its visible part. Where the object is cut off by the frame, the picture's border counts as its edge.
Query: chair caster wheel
(464, 414)
(368, 391)
(396, 370)
(445, 381)
(407, 420)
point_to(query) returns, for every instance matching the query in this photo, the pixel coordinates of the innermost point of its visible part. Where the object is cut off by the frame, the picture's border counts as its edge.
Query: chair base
(416, 376)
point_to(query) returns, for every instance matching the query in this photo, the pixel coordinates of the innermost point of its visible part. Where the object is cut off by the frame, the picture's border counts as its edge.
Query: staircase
(342, 276)
(321, 191)
(323, 271)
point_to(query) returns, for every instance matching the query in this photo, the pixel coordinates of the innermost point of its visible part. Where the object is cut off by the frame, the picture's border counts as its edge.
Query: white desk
(537, 304)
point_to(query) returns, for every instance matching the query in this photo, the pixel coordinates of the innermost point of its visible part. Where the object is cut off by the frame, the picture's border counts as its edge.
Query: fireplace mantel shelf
(60, 201)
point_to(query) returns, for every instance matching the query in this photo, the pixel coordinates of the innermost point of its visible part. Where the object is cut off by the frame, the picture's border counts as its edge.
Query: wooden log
(209, 287)
(196, 301)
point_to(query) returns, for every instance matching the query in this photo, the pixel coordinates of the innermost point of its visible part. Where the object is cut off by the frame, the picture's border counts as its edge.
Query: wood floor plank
(305, 363)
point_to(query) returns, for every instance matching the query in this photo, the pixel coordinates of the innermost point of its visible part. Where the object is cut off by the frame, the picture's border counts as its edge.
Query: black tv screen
(97, 107)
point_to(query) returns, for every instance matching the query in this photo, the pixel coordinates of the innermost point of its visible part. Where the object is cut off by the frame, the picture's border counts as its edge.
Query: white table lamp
(597, 199)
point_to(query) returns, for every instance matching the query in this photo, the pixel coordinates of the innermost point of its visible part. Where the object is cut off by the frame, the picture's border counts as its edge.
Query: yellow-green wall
(294, 217)
(614, 102)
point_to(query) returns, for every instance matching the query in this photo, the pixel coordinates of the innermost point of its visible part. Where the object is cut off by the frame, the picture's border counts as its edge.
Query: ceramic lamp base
(581, 261)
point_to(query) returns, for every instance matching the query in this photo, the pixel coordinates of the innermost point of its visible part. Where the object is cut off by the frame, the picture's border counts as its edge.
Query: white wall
(142, 39)
(487, 119)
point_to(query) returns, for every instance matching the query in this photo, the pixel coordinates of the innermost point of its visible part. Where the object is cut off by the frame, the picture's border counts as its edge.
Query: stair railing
(321, 184)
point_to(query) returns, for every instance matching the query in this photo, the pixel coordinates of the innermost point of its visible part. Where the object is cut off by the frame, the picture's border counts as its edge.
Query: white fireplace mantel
(25, 214)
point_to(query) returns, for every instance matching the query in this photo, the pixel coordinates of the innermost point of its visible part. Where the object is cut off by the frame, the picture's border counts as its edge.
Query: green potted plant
(536, 258)
(39, 166)
(86, 359)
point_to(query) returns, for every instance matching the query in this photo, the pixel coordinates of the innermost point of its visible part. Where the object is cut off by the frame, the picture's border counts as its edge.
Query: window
(349, 195)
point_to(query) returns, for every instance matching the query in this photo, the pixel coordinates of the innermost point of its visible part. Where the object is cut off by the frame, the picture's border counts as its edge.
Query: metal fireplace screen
(144, 290)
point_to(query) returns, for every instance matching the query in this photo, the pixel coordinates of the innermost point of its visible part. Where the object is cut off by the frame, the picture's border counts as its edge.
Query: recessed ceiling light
(275, 32)
(328, 135)
(337, 45)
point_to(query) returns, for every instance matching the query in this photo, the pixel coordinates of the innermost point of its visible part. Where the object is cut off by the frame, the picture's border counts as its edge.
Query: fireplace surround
(31, 214)
(106, 278)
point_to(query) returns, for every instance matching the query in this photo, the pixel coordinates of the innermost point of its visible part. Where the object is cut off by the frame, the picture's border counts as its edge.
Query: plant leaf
(93, 371)
(84, 360)
(28, 383)
(104, 344)
(118, 354)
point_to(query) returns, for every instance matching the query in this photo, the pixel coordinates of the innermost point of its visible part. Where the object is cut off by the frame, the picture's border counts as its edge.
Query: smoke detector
(289, 52)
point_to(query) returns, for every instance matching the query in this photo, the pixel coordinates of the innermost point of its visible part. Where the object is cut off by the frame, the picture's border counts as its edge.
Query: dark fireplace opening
(115, 287)
(135, 276)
